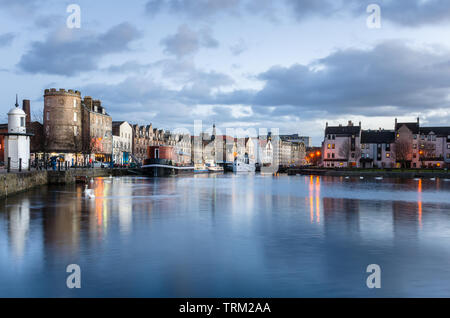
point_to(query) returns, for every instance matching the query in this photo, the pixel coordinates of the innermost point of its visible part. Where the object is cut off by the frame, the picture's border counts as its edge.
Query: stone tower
(63, 120)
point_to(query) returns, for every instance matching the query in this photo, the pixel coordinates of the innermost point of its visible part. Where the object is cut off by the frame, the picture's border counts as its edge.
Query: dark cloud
(390, 79)
(6, 39)
(411, 13)
(69, 52)
(187, 41)
(197, 8)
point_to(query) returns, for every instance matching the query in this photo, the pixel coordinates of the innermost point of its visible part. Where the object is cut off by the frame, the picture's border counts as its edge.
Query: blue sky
(287, 64)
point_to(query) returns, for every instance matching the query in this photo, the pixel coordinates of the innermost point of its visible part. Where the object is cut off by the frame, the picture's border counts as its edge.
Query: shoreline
(407, 174)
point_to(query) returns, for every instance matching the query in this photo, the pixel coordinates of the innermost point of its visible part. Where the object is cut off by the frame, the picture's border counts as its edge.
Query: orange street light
(318, 153)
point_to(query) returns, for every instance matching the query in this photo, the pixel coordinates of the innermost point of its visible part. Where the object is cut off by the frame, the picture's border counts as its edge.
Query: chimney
(326, 124)
(360, 124)
(26, 109)
(350, 123)
(417, 120)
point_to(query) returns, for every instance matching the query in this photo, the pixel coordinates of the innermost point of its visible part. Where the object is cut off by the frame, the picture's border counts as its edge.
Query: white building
(17, 141)
(122, 142)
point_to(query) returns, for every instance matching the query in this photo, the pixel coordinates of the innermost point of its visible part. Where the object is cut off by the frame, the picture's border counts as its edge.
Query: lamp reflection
(314, 195)
(419, 202)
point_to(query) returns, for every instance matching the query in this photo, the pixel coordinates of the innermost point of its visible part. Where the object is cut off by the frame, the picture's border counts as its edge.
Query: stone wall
(12, 183)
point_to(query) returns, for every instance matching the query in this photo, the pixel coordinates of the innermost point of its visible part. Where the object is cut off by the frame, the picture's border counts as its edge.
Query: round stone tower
(62, 120)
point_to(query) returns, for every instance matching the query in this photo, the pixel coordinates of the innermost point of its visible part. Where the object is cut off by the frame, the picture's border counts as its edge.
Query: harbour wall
(16, 182)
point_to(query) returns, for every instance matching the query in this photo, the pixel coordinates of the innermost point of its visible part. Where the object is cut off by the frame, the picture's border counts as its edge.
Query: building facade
(122, 142)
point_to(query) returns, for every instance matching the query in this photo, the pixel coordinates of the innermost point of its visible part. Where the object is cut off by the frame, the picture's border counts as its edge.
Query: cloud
(414, 13)
(69, 52)
(390, 79)
(197, 8)
(187, 41)
(6, 39)
(238, 48)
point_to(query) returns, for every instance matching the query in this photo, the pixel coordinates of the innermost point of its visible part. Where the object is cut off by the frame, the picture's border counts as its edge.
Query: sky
(288, 64)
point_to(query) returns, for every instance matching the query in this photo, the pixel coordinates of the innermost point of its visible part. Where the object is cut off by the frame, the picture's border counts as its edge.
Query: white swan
(89, 193)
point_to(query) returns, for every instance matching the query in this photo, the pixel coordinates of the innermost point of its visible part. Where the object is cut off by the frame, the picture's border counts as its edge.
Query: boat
(214, 168)
(200, 168)
(241, 166)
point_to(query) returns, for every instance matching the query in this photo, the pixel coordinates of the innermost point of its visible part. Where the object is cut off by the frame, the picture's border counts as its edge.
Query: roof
(117, 123)
(439, 131)
(377, 136)
(16, 111)
(342, 130)
(414, 127)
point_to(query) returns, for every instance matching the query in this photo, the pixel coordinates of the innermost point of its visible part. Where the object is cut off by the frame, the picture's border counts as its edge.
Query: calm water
(228, 236)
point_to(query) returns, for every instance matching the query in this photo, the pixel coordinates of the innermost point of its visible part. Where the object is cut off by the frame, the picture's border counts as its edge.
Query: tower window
(22, 121)
(74, 116)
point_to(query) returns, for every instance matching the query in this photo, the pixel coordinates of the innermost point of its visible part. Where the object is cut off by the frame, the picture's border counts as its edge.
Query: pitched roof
(414, 127)
(342, 130)
(377, 136)
(439, 131)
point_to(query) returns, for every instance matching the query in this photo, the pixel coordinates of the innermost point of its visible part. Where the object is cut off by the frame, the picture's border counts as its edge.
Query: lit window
(388, 155)
(333, 146)
(329, 146)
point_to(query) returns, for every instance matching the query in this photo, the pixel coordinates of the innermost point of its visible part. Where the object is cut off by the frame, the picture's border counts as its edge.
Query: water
(228, 236)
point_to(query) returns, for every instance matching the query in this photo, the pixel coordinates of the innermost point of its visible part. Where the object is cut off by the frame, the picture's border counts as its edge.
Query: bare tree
(427, 152)
(402, 151)
(346, 151)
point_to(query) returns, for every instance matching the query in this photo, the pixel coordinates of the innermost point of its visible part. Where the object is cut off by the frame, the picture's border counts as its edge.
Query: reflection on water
(230, 236)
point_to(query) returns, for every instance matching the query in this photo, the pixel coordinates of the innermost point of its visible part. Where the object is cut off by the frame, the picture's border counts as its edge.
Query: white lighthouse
(17, 141)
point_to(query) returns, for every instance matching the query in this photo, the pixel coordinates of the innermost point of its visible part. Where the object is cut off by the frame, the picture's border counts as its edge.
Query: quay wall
(16, 182)
(376, 173)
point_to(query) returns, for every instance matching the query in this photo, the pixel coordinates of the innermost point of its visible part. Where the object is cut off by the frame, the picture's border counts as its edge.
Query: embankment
(15, 182)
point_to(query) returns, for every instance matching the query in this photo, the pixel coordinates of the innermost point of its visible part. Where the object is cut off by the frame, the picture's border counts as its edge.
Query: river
(228, 236)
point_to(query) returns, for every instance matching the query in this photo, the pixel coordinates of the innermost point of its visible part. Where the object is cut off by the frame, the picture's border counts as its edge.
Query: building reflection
(18, 226)
(61, 219)
(341, 216)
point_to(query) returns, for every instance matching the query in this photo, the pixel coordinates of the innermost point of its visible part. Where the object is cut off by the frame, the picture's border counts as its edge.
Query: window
(448, 156)
(48, 115)
(422, 137)
(362, 146)
(74, 103)
(387, 147)
(22, 121)
(388, 155)
(415, 136)
(329, 146)
(414, 146)
(333, 146)
(433, 138)
(74, 116)
(332, 155)
(75, 131)
(448, 146)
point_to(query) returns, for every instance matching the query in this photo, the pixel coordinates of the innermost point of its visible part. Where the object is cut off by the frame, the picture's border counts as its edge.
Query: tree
(427, 152)
(402, 151)
(346, 152)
